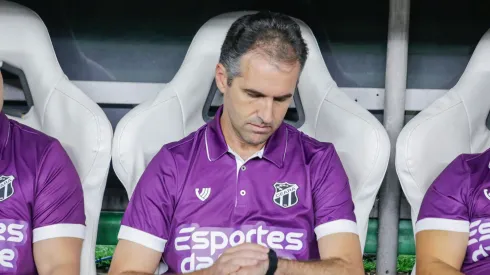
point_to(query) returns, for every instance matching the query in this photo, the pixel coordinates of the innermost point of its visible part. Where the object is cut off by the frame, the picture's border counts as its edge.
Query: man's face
(257, 101)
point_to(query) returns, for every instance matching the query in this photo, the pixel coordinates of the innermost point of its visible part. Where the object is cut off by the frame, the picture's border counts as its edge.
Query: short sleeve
(148, 217)
(334, 208)
(58, 209)
(444, 205)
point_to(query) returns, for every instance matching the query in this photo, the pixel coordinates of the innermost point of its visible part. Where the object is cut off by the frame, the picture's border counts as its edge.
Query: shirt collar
(4, 131)
(258, 154)
(274, 150)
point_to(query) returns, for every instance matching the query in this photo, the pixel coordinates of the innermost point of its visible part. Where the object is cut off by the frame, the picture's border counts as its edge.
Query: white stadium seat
(453, 124)
(60, 110)
(330, 115)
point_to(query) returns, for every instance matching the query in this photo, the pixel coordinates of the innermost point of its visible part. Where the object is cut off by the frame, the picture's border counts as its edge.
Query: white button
(243, 192)
(244, 168)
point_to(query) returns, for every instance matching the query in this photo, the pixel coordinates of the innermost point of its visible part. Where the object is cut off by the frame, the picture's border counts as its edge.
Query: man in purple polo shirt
(246, 185)
(453, 227)
(42, 220)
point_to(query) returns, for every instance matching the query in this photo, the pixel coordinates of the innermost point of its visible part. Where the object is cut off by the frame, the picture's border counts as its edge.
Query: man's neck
(243, 149)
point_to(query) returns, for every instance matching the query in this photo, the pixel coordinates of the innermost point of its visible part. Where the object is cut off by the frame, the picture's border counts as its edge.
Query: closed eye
(254, 94)
(282, 98)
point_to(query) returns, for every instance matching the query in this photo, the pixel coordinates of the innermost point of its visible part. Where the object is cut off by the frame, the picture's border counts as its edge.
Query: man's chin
(257, 139)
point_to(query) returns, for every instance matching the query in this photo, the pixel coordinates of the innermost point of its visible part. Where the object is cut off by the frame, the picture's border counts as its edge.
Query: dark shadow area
(146, 41)
(15, 80)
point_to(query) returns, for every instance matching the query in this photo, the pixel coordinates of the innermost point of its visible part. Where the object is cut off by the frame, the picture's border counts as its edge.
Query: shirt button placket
(241, 188)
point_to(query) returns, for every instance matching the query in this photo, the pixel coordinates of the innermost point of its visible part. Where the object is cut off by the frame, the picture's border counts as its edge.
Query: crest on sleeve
(6, 187)
(285, 194)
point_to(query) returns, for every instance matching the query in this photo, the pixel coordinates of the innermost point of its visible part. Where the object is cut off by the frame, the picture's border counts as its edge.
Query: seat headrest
(452, 125)
(203, 54)
(473, 88)
(480, 59)
(26, 45)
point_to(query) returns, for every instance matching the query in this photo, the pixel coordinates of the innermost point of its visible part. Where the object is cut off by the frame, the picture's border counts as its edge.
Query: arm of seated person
(58, 256)
(133, 258)
(145, 227)
(440, 252)
(336, 228)
(340, 254)
(335, 224)
(442, 228)
(58, 214)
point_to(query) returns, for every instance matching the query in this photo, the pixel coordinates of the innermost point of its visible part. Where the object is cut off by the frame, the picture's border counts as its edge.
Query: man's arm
(134, 259)
(58, 214)
(340, 254)
(440, 252)
(146, 222)
(145, 227)
(58, 256)
(443, 228)
(335, 221)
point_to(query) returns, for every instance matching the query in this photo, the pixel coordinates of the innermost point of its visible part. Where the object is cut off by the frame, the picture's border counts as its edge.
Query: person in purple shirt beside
(453, 226)
(42, 219)
(246, 193)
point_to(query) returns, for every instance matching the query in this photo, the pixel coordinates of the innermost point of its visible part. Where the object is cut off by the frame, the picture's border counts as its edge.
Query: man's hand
(241, 260)
(258, 269)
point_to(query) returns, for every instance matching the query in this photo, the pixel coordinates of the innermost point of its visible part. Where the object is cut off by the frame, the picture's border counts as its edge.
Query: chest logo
(6, 187)
(204, 194)
(285, 194)
(486, 194)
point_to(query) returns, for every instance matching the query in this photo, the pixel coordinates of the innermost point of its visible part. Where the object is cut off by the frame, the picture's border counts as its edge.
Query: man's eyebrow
(283, 96)
(257, 93)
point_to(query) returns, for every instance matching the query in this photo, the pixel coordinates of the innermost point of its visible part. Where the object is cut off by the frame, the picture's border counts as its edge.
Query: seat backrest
(60, 110)
(359, 138)
(453, 124)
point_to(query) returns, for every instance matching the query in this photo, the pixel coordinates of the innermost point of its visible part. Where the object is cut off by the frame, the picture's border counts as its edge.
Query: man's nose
(266, 110)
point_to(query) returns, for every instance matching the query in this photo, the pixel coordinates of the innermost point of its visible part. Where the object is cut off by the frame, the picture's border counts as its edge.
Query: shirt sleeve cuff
(442, 224)
(141, 237)
(58, 231)
(337, 226)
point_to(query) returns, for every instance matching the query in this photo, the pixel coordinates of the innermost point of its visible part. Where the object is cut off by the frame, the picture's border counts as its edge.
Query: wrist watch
(272, 262)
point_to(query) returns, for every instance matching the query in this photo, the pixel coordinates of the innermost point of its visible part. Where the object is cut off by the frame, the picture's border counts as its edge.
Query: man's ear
(1, 81)
(221, 78)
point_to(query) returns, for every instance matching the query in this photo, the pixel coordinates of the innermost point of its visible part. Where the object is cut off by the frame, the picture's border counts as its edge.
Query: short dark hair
(276, 34)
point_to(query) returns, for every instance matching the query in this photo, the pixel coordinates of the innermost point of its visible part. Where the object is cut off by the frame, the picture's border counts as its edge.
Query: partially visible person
(42, 219)
(246, 193)
(453, 226)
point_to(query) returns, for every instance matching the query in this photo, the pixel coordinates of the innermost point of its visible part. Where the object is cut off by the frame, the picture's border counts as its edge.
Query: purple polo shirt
(197, 198)
(459, 201)
(41, 195)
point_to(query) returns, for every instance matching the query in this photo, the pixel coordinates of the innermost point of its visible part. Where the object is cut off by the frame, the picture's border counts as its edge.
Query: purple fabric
(460, 194)
(276, 201)
(39, 186)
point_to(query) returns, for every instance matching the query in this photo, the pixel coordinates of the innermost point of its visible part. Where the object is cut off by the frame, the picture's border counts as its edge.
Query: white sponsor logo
(204, 194)
(207, 244)
(483, 230)
(10, 233)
